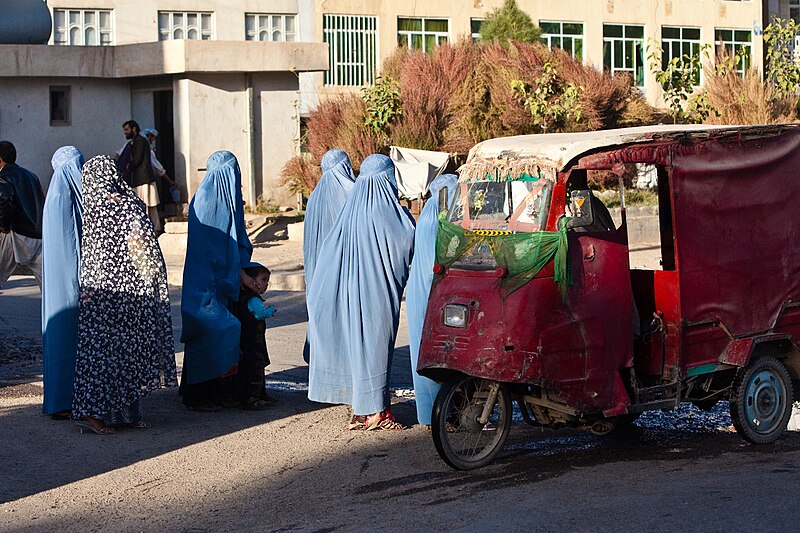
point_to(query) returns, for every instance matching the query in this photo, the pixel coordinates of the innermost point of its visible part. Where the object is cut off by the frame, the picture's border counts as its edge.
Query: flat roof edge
(161, 58)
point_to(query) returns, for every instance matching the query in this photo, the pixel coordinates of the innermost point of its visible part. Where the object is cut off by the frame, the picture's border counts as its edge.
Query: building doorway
(165, 142)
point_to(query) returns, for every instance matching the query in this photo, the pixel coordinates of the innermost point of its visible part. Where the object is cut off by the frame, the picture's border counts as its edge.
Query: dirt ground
(294, 467)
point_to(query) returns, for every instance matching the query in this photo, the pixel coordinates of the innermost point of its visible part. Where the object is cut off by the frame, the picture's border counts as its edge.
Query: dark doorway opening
(165, 142)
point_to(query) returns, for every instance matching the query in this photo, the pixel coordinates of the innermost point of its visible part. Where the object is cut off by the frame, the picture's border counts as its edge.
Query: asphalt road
(294, 468)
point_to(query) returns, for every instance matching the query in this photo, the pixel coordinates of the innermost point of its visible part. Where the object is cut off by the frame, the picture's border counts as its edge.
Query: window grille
(82, 27)
(173, 25)
(352, 49)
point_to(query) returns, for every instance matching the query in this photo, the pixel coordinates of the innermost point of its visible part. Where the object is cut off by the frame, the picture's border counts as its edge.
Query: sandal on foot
(256, 404)
(87, 426)
(62, 415)
(269, 398)
(202, 407)
(383, 420)
(141, 424)
(357, 423)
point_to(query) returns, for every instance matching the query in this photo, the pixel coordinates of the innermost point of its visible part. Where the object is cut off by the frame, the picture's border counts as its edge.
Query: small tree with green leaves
(781, 69)
(509, 23)
(679, 78)
(383, 105)
(550, 101)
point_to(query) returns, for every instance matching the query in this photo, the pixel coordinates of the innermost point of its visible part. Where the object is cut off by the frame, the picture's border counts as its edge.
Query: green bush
(509, 23)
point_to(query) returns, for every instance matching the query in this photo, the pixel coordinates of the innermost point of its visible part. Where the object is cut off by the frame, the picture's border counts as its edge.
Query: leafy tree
(550, 101)
(678, 78)
(509, 23)
(781, 69)
(383, 105)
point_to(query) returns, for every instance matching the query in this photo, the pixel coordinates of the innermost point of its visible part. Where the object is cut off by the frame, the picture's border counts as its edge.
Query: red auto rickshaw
(534, 301)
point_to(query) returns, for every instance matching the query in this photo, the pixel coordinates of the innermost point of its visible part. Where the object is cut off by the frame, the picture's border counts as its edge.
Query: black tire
(457, 434)
(761, 400)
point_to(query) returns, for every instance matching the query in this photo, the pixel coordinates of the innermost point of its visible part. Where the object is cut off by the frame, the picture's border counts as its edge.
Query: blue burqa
(419, 287)
(217, 248)
(355, 294)
(324, 205)
(323, 208)
(61, 245)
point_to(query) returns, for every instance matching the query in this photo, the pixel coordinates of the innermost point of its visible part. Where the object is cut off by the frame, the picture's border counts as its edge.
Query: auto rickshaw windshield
(514, 206)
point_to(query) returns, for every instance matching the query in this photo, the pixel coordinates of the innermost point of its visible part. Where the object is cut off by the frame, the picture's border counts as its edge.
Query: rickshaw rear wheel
(460, 438)
(761, 400)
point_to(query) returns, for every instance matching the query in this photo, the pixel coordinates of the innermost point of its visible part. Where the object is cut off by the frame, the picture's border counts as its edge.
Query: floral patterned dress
(125, 344)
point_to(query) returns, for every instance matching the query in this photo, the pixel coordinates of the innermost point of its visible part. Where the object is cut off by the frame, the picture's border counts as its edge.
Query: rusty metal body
(729, 289)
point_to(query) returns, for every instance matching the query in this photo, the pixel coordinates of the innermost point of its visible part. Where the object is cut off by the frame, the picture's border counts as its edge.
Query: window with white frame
(269, 27)
(421, 33)
(623, 50)
(352, 49)
(173, 25)
(565, 35)
(475, 29)
(732, 41)
(679, 42)
(82, 27)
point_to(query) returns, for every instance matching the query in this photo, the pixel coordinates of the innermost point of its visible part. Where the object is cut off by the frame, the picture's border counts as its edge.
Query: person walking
(163, 181)
(355, 298)
(125, 344)
(135, 166)
(323, 208)
(21, 206)
(419, 288)
(216, 252)
(61, 246)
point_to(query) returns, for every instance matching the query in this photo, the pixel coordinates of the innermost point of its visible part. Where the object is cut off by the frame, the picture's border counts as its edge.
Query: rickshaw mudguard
(572, 346)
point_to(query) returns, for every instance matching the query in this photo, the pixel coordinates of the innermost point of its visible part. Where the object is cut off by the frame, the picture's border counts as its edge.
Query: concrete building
(609, 34)
(202, 96)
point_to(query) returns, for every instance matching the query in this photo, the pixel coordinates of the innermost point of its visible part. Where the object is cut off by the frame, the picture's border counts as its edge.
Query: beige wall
(211, 115)
(137, 22)
(94, 129)
(705, 14)
(276, 130)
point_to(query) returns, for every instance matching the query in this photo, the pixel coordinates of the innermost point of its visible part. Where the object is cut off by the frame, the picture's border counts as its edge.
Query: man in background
(21, 207)
(167, 185)
(135, 167)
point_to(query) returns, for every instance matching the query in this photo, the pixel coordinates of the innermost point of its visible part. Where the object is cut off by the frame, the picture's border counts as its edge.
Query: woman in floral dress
(125, 345)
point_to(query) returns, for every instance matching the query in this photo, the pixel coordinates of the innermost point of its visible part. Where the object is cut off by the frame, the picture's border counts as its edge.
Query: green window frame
(623, 50)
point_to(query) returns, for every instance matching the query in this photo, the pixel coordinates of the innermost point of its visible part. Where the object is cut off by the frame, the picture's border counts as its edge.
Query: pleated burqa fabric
(356, 291)
(419, 288)
(216, 250)
(323, 208)
(125, 345)
(61, 248)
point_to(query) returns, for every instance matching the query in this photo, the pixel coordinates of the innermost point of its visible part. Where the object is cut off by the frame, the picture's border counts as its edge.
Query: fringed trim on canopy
(503, 169)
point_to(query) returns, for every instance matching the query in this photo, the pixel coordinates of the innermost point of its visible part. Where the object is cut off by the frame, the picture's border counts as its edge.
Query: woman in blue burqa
(323, 208)
(61, 248)
(419, 287)
(355, 298)
(125, 345)
(216, 251)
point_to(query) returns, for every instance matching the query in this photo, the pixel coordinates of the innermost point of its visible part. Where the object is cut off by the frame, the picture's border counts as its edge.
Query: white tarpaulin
(415, 169)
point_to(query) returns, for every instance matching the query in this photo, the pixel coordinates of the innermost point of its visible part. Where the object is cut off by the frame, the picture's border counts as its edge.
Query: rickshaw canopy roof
(526, 156)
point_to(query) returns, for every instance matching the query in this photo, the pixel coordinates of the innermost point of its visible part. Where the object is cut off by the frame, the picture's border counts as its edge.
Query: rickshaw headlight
(455, 316)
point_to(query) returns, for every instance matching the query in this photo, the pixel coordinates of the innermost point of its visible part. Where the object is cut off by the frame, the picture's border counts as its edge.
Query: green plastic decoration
(523, 255)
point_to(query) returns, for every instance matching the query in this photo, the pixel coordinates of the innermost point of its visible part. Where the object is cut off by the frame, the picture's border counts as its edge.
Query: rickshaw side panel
(737, 242)
(572, 347)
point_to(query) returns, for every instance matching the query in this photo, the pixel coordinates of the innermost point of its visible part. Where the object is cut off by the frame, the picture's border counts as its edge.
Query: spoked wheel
(471, 420)
(761, 400)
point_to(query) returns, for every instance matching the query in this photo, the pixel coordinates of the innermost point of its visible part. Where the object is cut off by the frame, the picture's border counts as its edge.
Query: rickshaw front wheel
(761, 400)
(462, 437)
